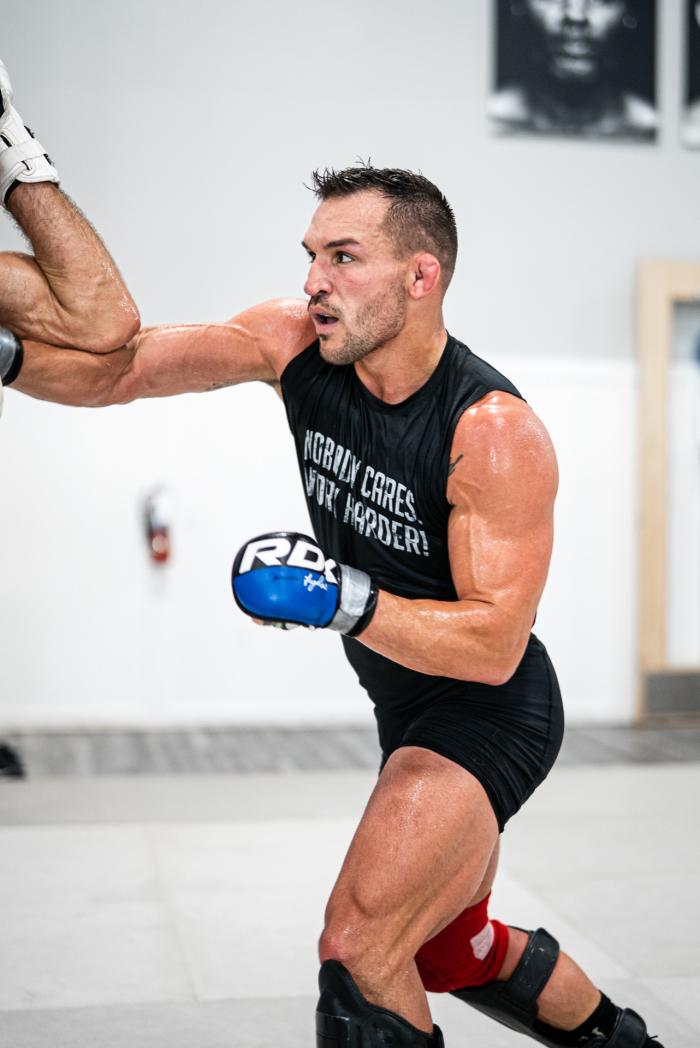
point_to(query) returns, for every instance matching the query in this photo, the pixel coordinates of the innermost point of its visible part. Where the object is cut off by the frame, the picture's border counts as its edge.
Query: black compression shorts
(507, 736)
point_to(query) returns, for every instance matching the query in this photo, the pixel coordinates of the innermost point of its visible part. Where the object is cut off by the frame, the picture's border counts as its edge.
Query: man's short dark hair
(419, 217)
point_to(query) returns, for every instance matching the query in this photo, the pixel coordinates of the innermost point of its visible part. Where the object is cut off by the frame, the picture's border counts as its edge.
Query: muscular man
(430, 485)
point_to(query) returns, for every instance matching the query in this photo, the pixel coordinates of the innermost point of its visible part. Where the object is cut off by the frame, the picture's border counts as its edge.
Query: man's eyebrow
(343, 242)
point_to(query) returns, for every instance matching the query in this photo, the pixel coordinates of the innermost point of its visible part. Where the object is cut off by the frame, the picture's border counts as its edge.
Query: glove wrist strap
(364, 620)
(22, 157)
(358, 598)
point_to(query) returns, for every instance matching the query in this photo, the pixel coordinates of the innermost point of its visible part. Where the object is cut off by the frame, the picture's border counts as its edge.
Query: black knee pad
(344, 1019)
(514, 1001)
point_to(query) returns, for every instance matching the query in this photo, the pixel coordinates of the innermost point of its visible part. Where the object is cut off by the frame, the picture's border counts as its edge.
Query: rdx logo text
(295, 553)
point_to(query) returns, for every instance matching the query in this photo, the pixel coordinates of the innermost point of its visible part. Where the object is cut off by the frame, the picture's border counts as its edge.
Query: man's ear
(424, 275)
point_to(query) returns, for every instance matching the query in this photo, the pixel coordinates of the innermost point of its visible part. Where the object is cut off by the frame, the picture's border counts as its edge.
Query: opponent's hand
(284, 579)
(22, 158)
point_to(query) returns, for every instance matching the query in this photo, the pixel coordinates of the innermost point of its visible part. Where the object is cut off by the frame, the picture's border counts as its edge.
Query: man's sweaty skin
(500, 542)
(481, 637)
(388, 317)
(70, 292)
(164, 361)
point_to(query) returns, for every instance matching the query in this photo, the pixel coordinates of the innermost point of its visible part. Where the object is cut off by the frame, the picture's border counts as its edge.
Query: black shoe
(629, 1031)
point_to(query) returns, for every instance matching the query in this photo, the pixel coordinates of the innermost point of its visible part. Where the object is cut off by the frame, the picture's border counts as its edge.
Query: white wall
(185, 131)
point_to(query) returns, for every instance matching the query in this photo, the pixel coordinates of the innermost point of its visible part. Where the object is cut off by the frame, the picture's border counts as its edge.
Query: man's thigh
(421, 853)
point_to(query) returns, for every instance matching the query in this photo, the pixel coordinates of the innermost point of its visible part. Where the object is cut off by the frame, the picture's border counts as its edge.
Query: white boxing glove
(22, 158)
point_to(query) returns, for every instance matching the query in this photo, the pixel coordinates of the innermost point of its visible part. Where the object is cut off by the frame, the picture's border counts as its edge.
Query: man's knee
(470, 951)
(348, 936)
(358, 932)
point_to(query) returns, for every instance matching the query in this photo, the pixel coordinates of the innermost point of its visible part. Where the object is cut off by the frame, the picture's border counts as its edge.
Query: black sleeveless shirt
(375, 477)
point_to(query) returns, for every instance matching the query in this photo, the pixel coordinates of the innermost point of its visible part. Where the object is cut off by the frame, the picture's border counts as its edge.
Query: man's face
(356, 285)
(575, 34)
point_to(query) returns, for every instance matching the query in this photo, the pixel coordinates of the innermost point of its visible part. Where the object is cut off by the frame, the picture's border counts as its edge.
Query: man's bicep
(500, 530)
(193, 358)
(501, 561)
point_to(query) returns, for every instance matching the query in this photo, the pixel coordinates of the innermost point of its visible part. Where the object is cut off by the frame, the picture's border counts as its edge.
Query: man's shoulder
(500, 437)
(499, 423)
(288, 317)
(283, 328)
(494, 411)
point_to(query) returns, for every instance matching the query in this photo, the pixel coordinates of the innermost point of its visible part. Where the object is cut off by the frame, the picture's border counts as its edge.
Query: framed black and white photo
(582, 68)
(690, 122)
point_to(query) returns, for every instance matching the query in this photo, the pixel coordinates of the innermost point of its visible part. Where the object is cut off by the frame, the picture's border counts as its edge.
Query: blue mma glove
(286, 580)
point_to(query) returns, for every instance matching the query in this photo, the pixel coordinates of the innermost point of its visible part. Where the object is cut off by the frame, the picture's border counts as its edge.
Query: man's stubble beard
(377, 323)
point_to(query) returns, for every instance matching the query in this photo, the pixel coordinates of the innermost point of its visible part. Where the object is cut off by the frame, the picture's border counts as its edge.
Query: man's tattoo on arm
(453, 465)
(272, 383)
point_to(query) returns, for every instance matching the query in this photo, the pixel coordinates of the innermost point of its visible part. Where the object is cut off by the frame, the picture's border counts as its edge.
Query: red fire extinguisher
(158, 516)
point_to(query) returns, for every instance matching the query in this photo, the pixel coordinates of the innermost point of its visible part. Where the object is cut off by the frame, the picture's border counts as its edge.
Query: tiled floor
(181, 911)
(207, 750)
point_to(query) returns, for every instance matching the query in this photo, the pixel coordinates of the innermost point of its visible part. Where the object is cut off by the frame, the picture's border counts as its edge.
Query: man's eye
(310, 258)
(343, 257)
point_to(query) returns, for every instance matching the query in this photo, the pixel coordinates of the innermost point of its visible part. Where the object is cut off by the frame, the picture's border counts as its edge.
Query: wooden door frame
(661, 285)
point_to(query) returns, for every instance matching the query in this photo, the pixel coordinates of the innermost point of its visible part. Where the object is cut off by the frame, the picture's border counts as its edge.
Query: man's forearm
(68, 376)
(466, 639)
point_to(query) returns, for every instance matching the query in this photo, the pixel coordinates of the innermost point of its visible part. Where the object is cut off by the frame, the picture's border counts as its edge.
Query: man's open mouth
(325, 319)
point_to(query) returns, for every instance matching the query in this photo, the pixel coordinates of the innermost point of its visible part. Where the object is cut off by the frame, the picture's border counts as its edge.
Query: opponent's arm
(69, 292)
(162, 361)
(502, 490)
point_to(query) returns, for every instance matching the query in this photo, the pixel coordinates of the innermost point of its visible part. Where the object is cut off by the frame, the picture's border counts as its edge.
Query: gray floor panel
(65, 754)
(184, 798)
(275, 1023)
(182, 910)
(287, 1022)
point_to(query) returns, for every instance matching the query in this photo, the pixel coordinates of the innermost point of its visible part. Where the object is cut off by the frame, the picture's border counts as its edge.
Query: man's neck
(397, 369)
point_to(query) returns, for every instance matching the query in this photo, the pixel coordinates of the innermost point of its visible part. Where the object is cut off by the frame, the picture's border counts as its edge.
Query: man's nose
(576, 10)
(317, 281)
